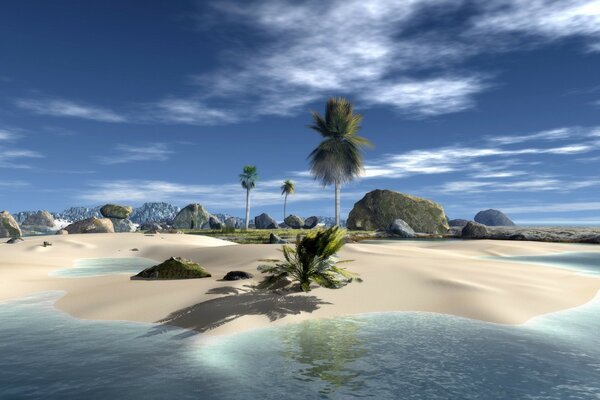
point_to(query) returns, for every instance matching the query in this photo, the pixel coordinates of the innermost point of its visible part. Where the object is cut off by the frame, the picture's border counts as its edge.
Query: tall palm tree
(338, 158)
(248, 179)
(288, 187)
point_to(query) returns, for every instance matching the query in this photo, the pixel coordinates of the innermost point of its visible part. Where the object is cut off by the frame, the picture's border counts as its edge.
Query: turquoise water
(409, 355)
(87, 267)
(584, 262)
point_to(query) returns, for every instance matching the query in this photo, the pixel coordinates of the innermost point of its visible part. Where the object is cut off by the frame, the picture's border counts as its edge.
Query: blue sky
(474, 104)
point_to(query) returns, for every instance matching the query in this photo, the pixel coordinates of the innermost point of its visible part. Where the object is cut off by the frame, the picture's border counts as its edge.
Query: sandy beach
(452, 277)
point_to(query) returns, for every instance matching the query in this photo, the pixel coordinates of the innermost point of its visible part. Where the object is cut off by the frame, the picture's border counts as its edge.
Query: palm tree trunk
(284, 206)
(247, 207)
(337, 203)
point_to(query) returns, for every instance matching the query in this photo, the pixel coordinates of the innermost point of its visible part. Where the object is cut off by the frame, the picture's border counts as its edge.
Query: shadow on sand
(238, 303)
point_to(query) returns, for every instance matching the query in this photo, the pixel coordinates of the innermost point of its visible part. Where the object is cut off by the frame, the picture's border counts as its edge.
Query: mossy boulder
(493, 217)
(91, 225)
(294, 221)
(193, 216)
(475, 230)
(380, 208)
(116, 211)
(9, 226)
(174, 268)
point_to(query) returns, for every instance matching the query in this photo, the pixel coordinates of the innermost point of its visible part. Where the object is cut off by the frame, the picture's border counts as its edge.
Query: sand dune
(438, 276)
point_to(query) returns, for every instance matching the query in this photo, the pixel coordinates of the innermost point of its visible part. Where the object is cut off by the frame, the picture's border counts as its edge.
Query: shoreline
(421, 276)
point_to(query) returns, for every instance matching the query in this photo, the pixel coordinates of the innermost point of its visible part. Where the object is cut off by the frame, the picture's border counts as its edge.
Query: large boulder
(294, 221)
(401, 229)
(123, 225)
(39, 219)
(475, 230)
(174, 268)
(493, 218)
(380, 208)
(116, 211)
(264, 221)
(231, 223)
(9, 228)
(215, 223)
(311, 222)
(91, 225)
(193, 216)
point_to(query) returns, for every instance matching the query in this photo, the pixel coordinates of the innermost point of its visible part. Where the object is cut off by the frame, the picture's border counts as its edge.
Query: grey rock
(493, 218)
(475, 230)
(400, 228)
(214, 223)
(9, 228)
(237, 275)
(264, 221)
(294, 221)
(151, 226)
(311, 222)
(91, 225)
(231, 223)
(47, 244)
(193, 216)
(15, 240)
(62, 232)
(274, 239)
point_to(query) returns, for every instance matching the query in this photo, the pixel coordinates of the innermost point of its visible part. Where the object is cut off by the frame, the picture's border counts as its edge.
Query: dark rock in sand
(237, 275)
(311, 222)
(493, 218)
(174, 268)
(475, 230)
(215, 223)
(274, 239)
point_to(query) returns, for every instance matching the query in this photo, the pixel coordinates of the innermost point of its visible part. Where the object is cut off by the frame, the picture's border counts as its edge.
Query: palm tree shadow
(211, 314)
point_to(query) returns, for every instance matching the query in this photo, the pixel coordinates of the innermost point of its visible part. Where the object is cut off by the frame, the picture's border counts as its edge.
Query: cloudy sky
(474, 104)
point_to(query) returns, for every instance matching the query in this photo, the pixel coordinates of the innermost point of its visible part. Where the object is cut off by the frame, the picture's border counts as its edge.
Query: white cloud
(531, 184)
(139, 153)
(10, 158)
(67, 108)
(8, 135)
(553, 208)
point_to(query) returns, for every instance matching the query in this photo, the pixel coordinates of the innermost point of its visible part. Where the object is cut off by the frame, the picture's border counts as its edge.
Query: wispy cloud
(143, 152)
(68, 108)
(10, 158)
(531, 184)
(553, 207)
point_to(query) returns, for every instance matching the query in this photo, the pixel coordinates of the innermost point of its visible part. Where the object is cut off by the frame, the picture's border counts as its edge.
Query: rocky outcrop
(542, 234)
(193, 216)
(151, 226)
(123, 225)
(174, 268)
(78, 213)
(311, 222)
(294, 221)
(380, 208)
(9, 228)
(458, 222)
(264, 221)
(401, 229)
(493, 218)
(237, 275)
(475, 230)
(214, 223)
(116, 211)
(91, 225)
(39, 219)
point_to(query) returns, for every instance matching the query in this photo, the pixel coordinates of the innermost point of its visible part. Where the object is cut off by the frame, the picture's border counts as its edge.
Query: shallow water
(585, 262)
(46, 353)
(87, 267)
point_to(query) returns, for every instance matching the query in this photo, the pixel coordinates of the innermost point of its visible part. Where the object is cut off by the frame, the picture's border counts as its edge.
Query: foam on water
(46, 353)
(87, 267)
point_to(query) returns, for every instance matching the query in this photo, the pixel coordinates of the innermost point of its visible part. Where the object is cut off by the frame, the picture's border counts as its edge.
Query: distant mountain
(78, 213)
(154, 212)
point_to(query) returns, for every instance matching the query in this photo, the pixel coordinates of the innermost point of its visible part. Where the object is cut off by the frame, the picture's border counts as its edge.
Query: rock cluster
(380, 208)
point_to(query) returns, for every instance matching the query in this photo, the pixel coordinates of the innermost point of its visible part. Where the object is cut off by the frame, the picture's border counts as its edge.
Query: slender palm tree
(338, 158)
(248, 179)
(288, 187)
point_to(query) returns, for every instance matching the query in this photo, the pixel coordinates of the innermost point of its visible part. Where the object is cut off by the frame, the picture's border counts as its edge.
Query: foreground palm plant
(312, 261)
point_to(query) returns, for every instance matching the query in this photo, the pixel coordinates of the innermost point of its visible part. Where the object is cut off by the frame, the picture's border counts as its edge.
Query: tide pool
(407, 355)
(87, 267)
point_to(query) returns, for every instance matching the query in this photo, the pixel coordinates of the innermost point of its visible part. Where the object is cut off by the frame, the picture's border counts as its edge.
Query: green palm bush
(311, 261)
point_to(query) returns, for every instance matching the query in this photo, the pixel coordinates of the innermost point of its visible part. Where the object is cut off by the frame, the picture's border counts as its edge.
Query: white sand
(446, 277)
